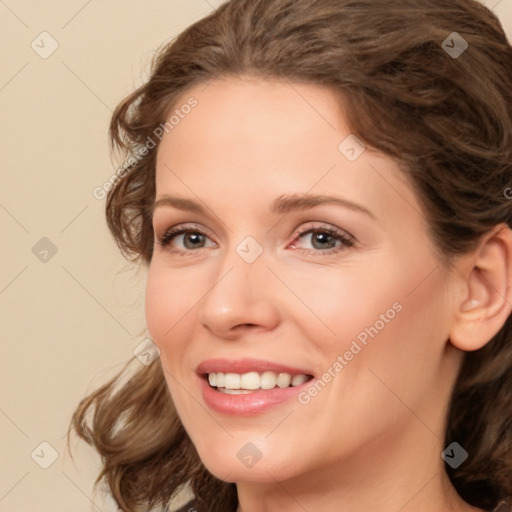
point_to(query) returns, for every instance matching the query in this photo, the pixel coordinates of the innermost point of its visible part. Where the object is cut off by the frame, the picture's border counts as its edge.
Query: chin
(227, 470)
(240, 459)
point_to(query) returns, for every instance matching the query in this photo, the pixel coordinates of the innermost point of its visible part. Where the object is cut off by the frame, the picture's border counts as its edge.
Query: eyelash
(346, 240)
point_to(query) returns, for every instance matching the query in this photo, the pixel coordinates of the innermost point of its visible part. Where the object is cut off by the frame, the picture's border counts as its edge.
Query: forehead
(255, 117)
(259, 138)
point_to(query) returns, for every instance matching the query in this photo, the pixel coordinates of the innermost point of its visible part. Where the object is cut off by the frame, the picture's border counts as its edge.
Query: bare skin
(372, 437)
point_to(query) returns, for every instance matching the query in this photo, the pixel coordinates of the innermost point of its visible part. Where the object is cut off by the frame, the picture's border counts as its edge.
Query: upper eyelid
(163, 225)
(326, 227)
(190, 226)
(159, 217)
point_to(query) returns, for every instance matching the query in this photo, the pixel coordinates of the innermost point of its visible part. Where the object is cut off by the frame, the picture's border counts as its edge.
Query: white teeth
(232, 381)
(250, 380)
(297, 380)
(220, 379)
(284, 380)
(268, 380)
(234, 391)
(235, 383)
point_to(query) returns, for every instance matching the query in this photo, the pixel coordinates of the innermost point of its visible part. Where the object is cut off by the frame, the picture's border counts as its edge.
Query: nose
(242, 297)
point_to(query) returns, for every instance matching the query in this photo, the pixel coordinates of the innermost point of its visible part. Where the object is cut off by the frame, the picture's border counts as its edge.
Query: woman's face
(301, 256)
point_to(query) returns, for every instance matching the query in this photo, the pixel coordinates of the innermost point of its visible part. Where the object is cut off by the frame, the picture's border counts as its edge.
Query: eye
(323, 240)
(184, 239)
(189, 237)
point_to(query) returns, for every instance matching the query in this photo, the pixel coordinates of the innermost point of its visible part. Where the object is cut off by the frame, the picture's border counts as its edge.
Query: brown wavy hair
(446, 121)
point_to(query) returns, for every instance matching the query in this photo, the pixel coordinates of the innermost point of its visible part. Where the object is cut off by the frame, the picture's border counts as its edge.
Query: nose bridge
(241, 292)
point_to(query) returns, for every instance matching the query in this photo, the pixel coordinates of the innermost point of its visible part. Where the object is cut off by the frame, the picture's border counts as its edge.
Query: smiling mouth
(244, 383)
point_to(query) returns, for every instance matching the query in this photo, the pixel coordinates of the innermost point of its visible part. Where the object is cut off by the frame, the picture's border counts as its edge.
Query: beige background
(69, 322)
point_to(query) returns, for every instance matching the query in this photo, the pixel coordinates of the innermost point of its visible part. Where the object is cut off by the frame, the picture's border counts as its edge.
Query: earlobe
(485, 301)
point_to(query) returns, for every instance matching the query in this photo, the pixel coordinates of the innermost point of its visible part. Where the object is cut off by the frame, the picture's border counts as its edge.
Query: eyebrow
(282, 205)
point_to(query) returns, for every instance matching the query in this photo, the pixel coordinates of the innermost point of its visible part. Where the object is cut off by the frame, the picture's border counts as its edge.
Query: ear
(485, 299)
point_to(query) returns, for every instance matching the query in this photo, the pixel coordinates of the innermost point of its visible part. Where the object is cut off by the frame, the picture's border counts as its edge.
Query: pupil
(322, 238)
(194, 238)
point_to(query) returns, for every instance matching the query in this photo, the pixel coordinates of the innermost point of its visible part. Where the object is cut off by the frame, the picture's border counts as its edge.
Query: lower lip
(247, 404)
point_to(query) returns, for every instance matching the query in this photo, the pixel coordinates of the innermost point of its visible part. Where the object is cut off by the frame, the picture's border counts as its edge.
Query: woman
(319, 192)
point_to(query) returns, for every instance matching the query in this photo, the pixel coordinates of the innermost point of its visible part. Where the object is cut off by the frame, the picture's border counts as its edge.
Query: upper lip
(245, 366)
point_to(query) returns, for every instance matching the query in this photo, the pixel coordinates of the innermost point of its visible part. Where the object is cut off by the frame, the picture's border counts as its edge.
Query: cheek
(344, 304)
(391, 319)
(401, 329)
(166, 309)
(156, 300)
(418, 336)
(165, 305)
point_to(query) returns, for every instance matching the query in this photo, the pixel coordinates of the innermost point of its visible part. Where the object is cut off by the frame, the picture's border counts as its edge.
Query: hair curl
(446, 121)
